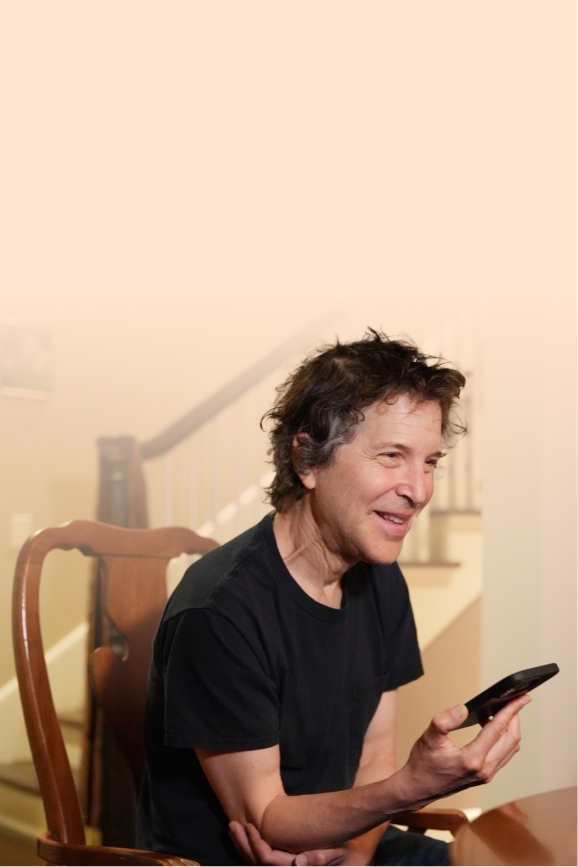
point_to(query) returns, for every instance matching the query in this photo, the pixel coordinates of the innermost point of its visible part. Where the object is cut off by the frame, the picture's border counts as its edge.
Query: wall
(184, 185)
(529, 600)
(452, 675)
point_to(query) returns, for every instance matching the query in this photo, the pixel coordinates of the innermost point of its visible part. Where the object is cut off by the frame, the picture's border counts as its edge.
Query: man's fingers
(507, 747)
(241, 841)
(505, 721)
(263, 853)
(319, 857)
(496, 743)
(256, 850)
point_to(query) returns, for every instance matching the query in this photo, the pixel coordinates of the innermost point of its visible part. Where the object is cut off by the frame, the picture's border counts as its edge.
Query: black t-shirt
(244, 659)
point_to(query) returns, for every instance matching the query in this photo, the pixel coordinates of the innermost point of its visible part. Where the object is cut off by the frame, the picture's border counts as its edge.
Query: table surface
(538, 830)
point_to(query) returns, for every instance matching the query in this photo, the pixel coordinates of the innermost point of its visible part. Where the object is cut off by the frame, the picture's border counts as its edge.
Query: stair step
(21, 808)
(71, 725)
(72, 719)
(429, 574)
(471, 512)
(22, 776)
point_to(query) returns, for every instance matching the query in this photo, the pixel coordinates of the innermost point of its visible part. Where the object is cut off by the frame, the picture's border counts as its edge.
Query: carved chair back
(134, 564)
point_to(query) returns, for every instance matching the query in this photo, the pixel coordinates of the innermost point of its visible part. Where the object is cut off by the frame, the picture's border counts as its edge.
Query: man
(272, 702)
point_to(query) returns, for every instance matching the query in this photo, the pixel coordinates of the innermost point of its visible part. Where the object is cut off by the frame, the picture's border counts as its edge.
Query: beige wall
(184, 184)
(529, 599)
(452, 675)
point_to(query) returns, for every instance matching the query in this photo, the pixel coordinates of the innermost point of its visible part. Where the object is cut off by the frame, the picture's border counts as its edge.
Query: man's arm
(249, 787)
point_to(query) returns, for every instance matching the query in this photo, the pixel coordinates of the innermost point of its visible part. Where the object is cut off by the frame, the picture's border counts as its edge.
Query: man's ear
(308, 478)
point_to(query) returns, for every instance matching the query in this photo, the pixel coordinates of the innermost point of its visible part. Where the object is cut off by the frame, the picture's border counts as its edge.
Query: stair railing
(122, 496)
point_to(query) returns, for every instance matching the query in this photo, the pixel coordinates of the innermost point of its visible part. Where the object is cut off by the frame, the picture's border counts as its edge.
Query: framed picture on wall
(25, 362)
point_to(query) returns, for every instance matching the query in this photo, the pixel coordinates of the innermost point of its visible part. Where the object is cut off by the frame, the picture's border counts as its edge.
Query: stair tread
(72, 718)
(22, 775)
(456, 512)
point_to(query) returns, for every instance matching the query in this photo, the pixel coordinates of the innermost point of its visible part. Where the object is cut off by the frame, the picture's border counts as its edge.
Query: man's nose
(416, 487)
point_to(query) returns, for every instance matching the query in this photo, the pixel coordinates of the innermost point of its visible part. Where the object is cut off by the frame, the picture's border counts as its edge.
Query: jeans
(403, 847)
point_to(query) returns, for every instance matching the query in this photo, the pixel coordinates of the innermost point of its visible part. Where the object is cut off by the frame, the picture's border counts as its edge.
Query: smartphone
(483, 707)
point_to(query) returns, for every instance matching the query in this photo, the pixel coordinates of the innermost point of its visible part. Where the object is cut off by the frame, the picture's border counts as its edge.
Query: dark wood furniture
(431, 819)
(132, 566)
(536, 830)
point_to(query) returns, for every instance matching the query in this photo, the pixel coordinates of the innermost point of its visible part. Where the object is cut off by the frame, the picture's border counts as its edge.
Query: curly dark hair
(325, 396)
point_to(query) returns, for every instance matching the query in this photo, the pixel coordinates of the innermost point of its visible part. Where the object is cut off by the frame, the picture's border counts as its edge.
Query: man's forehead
(392, 420)
(403, 405)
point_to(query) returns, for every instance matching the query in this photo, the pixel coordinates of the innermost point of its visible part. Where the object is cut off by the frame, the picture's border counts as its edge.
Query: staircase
(211, 477)
(21, 810)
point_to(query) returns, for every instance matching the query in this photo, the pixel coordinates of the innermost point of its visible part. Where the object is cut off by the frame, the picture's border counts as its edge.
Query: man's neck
(308, 557)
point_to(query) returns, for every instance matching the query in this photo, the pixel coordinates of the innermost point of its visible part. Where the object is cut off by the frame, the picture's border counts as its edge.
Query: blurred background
(188, 187)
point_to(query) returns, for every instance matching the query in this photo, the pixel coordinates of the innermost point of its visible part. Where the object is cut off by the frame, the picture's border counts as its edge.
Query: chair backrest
(134, 564)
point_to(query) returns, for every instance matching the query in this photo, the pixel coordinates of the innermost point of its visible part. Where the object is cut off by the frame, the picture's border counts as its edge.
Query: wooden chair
(134, 564)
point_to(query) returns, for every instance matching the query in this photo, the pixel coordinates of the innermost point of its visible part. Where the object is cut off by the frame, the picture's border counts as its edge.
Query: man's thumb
(447, 720)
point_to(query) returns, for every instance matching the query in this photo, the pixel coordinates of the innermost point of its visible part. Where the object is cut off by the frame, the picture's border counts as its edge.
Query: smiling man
(272, 702)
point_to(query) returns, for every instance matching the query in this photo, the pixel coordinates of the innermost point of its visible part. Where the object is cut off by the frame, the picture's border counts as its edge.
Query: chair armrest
(432, 819)
(71, 853)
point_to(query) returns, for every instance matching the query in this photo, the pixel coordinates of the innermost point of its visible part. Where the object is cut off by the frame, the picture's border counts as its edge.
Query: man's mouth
(397, 525)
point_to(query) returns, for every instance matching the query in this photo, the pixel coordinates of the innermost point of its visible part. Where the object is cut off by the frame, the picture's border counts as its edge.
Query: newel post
(121, 492)
(106, 787)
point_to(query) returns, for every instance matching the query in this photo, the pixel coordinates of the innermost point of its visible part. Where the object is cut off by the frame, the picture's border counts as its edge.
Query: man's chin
(383, 555)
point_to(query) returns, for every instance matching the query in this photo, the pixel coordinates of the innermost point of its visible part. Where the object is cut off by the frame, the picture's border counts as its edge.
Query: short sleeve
(218, 695)
(404, 658)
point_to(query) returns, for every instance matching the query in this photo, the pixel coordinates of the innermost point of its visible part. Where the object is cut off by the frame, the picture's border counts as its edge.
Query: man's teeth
(394, 519)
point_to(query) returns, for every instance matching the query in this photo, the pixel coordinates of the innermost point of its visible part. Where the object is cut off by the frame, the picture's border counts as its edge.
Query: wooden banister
(210, 407)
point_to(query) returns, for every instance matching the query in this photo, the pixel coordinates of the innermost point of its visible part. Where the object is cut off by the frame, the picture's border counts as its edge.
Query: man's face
(365, 502)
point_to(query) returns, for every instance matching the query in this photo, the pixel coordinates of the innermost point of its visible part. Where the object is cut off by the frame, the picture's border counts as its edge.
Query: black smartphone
(487, 703)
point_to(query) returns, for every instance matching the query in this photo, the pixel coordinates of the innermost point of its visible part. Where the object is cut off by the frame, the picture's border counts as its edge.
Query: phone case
(487, 703)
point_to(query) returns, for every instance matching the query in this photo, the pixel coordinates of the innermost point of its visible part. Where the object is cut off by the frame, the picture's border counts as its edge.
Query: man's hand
(251, 846)
(437, 767)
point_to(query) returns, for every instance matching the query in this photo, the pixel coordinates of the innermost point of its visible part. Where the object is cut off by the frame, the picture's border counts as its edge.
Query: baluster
(239, 431)
(193, 483)
(422, 540)
(215, 471)
(168, 489)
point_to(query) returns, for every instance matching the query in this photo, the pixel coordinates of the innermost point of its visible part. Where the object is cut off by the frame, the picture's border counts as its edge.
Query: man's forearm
(297, 823)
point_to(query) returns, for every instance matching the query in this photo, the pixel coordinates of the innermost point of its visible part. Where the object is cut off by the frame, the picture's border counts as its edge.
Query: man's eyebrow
(401, 447)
